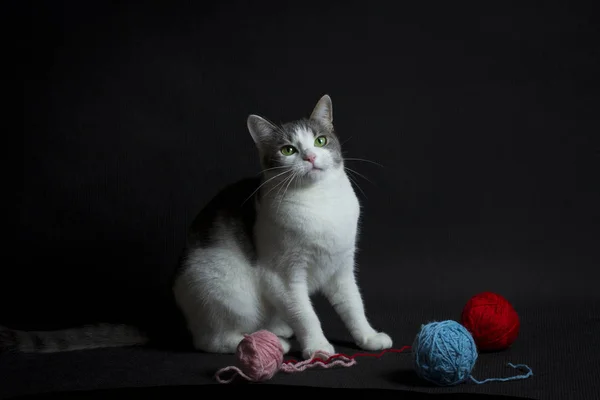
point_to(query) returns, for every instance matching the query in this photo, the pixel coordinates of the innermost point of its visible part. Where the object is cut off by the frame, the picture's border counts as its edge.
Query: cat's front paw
(282, 330)
(317, 348)
(285, 345)
(375, 341)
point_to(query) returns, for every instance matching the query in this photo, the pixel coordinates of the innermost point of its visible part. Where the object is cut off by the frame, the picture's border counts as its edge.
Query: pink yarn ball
(260, 355)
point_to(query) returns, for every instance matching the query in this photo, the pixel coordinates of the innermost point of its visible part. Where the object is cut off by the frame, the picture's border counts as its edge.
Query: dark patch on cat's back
(234, 206)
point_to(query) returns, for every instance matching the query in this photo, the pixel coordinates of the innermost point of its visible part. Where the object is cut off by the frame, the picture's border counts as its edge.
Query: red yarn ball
(492, 321)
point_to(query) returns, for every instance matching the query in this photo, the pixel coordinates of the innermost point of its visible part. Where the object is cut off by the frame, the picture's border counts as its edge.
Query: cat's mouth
(312, 171)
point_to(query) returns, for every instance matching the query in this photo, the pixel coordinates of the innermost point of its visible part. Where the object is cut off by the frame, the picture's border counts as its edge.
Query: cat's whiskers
(282, 184)
(344, 142)
(286, 181)
(295, 174)
(272, 168)
(357, 185)
(278, 185)
(264, 183)
(351, 171)
(359, 174)
(362, 159)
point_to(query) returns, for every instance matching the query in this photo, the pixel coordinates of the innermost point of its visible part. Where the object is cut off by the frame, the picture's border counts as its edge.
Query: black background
(135, 115)
(484, 116)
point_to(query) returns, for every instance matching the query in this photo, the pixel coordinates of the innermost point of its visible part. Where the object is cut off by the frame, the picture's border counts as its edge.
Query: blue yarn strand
(511, 378)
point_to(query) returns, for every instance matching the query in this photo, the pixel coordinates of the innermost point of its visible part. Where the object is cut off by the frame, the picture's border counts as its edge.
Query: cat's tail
(81, 338)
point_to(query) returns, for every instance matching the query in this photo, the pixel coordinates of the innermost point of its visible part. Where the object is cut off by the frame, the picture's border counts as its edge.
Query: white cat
(258, 251)
(255, 266)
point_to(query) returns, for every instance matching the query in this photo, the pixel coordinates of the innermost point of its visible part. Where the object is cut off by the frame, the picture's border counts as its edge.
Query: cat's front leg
(294, 302)
(279, 327)
(343, 293)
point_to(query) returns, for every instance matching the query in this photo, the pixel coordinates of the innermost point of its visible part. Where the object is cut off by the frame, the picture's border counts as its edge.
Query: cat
(256, 266)
(260, 249)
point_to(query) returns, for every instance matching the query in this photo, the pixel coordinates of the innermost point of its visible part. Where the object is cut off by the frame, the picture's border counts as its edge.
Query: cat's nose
(310, 157)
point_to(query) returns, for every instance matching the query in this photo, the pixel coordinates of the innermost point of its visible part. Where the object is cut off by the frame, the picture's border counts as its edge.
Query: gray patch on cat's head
(270, 138)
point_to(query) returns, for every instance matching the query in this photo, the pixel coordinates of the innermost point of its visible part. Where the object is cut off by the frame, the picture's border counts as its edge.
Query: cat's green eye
(288, 150)
(320, 141)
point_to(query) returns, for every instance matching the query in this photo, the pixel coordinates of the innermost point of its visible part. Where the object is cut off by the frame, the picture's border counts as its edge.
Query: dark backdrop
(483, 116)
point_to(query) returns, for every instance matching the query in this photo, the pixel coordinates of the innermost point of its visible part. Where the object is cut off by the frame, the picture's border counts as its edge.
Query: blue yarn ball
(444, 353)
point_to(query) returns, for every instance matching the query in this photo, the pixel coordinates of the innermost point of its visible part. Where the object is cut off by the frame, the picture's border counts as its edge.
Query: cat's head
(307, 149)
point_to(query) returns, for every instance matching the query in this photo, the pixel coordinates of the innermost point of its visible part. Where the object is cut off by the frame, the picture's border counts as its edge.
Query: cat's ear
(323, 111)
(260, 129)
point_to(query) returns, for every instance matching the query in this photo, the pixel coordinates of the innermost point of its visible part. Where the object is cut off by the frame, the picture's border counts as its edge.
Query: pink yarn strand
(260, 357)
(341, 361)
(232, 368)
